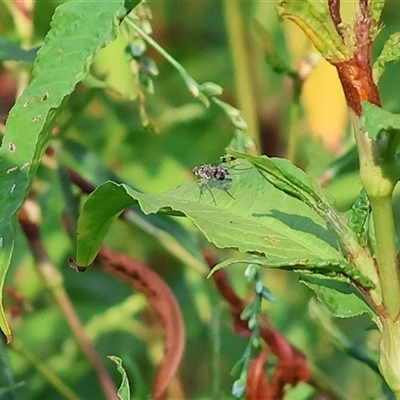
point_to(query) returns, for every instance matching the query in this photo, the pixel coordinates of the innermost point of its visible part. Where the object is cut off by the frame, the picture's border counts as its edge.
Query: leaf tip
(78, 268)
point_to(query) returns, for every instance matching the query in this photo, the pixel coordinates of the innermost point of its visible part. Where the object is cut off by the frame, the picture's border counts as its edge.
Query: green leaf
(79, 29)
(375, 9)
(384, 127)
(313, 17)
(239, 386)
(123, 391)
(169, 232)
(340, 297)
(375, 120)
(11, 51)
(288, 178)
(334, 268)
(390, 53)
(211, 89)
(247, 213)
(358, 220)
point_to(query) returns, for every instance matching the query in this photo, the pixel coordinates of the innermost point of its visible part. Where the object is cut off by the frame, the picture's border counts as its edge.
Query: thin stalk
(192, 84)
(40, 366)
(242, 68)
(379, 183)
(325, 385)
(386, 253)
(54, 282)
(198, 91)
(293, 133)
(215, 336)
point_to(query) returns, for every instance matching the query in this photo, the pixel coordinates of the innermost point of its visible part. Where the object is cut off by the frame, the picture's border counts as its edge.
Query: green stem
(379, 175)
(386, 253)
(197, 90)
(379, 180)
(243, 71)
(190, 82)
(53, 280)
(43, 368)
(293, 132)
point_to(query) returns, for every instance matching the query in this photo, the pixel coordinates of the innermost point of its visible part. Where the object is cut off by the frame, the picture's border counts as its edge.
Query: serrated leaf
(375, 9)
(384, 128)
(124, 390)
(162, 227)
(11, 51)
(79, 29)
(247, 218)
(340, 297)
(375, 120)
(390, 53)
(290, 179)
(314, 19)
(337, 267)
(358, 220)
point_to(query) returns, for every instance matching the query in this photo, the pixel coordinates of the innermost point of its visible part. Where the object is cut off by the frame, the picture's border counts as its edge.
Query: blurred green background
(101, 130)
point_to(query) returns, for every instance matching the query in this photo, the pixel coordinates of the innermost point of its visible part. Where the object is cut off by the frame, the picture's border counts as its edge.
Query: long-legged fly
(208, 173)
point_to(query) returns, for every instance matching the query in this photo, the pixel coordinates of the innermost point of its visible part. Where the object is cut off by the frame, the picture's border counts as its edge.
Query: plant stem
(242, 68)
(379, 181)
(54, 282)
(51, 377)
(386, 253)
(379, 175)
(293, 135)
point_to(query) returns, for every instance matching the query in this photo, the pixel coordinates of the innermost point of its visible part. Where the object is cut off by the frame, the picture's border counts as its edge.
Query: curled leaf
(314, 19)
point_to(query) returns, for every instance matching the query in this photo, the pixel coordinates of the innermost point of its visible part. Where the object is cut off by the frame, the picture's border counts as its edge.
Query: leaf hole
(12, 169)
(29, 101)
(37, 118)
(12, 147)
(24, 165)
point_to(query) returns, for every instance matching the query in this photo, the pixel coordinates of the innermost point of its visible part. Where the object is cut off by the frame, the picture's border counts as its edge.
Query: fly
(209, 173)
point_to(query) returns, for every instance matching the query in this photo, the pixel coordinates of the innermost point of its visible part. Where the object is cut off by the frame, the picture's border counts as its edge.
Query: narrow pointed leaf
(124, 390)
